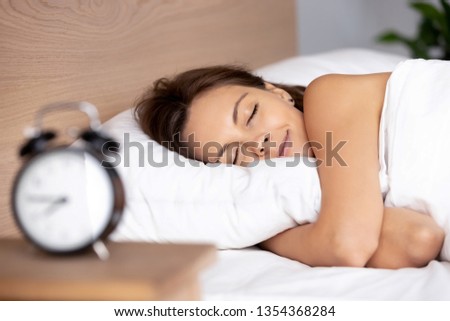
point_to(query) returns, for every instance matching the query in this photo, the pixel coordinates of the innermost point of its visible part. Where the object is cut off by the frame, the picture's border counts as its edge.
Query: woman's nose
(260, 147)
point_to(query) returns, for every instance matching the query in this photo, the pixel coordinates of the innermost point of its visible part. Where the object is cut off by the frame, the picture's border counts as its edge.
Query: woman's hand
(408, 239)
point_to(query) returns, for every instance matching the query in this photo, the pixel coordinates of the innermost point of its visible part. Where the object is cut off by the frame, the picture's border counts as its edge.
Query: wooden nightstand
(134, 271)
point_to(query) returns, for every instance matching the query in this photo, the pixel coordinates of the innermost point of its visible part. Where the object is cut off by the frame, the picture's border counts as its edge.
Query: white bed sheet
(255, 274)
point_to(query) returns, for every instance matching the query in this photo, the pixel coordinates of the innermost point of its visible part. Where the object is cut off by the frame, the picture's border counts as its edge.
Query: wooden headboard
(107, 51)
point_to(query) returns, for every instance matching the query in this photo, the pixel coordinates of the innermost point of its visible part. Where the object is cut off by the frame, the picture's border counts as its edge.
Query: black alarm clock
(66, 199)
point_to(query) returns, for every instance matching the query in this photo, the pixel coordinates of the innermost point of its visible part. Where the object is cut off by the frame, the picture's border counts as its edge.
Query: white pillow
(229, 206)
(188, 201)
(301, 70)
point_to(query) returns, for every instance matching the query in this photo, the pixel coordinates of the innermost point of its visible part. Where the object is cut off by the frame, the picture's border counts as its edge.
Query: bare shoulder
(342, 96)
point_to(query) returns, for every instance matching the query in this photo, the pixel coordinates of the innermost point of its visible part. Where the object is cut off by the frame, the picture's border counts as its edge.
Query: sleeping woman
(226, 114)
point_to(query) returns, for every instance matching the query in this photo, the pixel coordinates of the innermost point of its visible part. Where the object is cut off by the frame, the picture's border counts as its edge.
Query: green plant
(432, 38)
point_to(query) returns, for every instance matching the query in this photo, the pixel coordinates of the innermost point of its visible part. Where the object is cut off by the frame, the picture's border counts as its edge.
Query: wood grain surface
(107, 51)
(134, 271)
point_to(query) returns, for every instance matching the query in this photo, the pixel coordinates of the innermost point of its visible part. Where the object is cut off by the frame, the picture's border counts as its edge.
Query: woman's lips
(284, 145)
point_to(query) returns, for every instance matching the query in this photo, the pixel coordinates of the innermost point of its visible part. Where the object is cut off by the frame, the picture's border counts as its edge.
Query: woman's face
(237, 124)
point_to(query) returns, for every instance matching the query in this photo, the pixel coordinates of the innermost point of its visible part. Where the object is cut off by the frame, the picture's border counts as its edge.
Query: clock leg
(101, 250)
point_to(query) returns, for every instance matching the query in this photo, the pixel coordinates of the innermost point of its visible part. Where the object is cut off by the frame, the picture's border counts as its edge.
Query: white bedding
(254, 274)
(415, 140)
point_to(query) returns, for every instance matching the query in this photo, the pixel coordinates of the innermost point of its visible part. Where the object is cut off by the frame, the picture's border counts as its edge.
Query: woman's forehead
(220, 94)
(210, 118)
(216, 105)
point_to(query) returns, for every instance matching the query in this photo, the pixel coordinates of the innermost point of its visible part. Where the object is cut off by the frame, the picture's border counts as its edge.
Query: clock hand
(55, 204)
(46, 199)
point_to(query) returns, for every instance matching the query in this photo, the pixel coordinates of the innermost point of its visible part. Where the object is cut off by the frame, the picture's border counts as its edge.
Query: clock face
(64, 199)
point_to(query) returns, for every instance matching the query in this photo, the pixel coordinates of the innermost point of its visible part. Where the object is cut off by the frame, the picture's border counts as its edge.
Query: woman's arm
(408, 239)
(345, 109)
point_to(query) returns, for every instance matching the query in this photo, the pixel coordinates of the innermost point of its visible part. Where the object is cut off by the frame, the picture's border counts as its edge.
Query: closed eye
(236, 156)
(255, 110)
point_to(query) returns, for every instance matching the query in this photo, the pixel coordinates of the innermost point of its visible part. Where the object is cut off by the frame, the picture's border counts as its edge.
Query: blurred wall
(331, 24)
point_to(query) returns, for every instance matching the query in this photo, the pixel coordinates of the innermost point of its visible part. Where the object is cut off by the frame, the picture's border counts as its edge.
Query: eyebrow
(235, 117)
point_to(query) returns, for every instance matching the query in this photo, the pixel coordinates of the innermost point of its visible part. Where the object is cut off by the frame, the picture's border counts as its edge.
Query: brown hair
(162, 110)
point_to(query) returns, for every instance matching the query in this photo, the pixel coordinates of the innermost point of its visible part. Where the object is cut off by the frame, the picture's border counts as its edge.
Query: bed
(108, 52)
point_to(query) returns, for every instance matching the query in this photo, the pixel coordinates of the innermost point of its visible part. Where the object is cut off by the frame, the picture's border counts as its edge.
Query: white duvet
(414, 149)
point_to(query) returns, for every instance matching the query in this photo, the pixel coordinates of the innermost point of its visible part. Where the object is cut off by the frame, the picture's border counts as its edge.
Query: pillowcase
(173, 199)
(301, 70)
